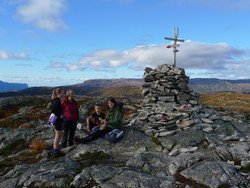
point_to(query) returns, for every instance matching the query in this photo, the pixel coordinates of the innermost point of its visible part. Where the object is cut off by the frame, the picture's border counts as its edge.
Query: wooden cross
(175, 45)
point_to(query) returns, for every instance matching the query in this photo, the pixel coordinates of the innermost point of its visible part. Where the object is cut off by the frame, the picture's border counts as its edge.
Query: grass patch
(11, 123)
(36, 101)
(13, 147)
(224, 185)
(247, 167)
(188, 181)
(39, 145)
(26, 126)
(24, 158)
(1, 114)
(238, 102)
(9, 111)
(156, 140)
(91, 183)
(89, 159)
(236, 161)
(99, 155)
(248, 116)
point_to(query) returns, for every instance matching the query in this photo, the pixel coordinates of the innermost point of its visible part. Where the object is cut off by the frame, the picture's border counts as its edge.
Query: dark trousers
(96, 135)
(69, 128)
(91, 125)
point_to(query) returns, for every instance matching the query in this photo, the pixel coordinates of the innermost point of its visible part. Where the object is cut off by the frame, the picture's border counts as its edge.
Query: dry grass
(129, 91)
(238, 101)
(26, 126)
(9, 111)
(11, 123)
(39, 145)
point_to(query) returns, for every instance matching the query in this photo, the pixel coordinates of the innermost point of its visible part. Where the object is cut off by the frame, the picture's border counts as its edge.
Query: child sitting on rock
(95, 121)
(113, 120)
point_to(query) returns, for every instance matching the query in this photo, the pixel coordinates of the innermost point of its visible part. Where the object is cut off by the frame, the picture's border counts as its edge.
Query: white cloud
(35, 81)
(44, 14)
(214, 58)
(4, 55)
(18, 56)
(18, 79)
(50, 78)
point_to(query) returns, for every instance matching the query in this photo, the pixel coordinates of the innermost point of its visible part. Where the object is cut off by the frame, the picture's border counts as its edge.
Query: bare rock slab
(215, 173)
(183, 139)
(46, 174)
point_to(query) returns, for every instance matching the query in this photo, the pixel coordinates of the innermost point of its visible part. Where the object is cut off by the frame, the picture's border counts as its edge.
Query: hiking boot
(78, 140)
(58, 154)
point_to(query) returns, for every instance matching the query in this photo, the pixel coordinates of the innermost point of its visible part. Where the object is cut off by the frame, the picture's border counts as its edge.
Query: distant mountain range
(201, 85)
(131, 87)
(214, 85)
(5, 86)
(104, 83)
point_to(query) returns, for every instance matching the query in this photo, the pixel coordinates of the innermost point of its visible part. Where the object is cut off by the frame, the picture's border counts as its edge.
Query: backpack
(52, 118)
(114, 136)
(51, 121)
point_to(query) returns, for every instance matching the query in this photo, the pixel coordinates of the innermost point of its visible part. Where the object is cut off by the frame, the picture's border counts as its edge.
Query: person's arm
(87, 121)
(77, 111)
(95, 127)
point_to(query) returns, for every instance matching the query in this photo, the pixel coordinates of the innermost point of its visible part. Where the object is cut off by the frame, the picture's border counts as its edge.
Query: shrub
(11, 123)
(39, 145)
(13, 147)
(224, 185)
(1, 114)
(247, 167)
(94, 155)
(156, 140)
(237, 161)
(26, 125)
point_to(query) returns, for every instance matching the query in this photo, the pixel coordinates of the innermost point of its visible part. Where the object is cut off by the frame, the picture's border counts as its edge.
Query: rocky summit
(168, 102)
(170, 141)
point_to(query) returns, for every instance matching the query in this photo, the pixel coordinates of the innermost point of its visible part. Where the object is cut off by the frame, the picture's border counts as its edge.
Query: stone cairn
(168, 102)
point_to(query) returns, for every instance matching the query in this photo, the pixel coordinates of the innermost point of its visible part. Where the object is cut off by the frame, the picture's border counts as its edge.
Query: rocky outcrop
(168, 102)
(45, 174)
(12, 101)
(168, 146)
(215, 173)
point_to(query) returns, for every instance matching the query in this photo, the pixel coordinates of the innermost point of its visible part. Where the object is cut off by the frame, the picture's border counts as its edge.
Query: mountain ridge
(97, 87)
(201, 85)
(6, 86)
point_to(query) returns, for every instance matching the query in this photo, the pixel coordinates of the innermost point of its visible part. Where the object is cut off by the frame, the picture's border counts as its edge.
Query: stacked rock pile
(168, 102)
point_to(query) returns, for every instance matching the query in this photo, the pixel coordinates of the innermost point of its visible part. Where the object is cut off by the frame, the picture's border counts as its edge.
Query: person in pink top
(71, 116)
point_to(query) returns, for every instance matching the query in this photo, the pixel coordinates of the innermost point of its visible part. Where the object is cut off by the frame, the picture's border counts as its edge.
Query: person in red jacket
(71, 116)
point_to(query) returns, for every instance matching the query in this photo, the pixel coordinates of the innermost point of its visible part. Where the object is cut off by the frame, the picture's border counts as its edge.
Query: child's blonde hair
(55, 92)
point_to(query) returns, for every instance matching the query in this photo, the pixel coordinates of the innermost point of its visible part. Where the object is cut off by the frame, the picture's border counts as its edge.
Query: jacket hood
(65, 99)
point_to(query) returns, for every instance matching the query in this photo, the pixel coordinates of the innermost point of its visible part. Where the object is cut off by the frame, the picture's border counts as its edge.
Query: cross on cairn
(175, 45)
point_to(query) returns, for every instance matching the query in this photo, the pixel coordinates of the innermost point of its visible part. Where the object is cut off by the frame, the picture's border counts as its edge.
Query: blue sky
(63, 42)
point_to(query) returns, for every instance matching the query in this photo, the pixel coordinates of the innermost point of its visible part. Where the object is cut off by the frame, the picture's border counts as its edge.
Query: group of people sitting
(67, 113)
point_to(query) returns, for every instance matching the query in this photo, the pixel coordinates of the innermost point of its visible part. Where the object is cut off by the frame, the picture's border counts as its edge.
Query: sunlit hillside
(129, 91)
(237, 101)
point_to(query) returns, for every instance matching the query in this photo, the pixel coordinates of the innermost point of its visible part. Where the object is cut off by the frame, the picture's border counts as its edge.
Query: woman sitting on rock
(115, 115)
(113, 120)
